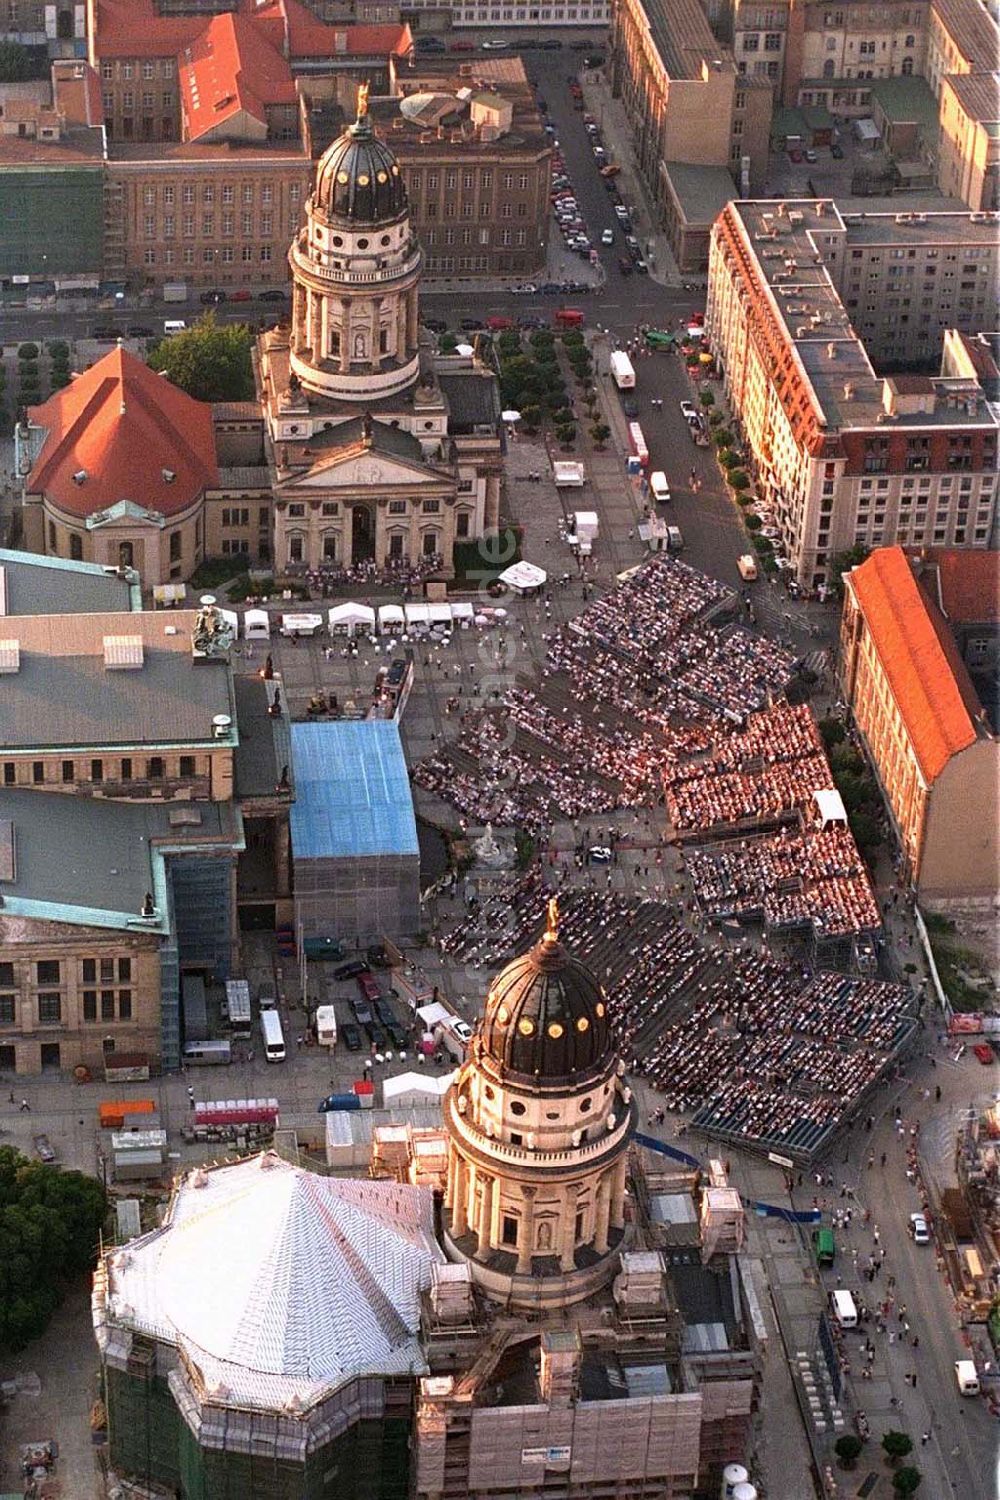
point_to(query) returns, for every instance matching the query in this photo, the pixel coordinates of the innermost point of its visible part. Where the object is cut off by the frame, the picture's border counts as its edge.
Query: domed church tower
(539, 1119)
(355, 268)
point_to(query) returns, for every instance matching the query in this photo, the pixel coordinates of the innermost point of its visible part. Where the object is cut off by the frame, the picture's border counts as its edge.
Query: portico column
(403, 341)
(618, 1193)
(376, 304)
(485, 1212)
(460, 1202)
(567, 1247)
(527, 1239)
(449, 1190)
(602, 1214)
(412, 319)
(345, 336)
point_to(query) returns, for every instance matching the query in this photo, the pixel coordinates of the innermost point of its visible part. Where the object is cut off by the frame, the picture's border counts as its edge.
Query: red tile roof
(123, 425)
(968, 583)
(77, 92)
(229, 70)
(134, 28)
(922, 665)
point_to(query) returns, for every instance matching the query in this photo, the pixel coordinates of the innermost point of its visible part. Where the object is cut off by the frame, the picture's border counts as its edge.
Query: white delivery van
(274, 1041)
(256, 625)
(326, 1025)
(659, 486)
(747, 566)
(174, 325)
(207, 1054)
(675, 538)
(844, 1309)
(967, 1377)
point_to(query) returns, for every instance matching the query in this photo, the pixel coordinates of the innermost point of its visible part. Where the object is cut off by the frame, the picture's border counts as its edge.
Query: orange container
(112, 1113)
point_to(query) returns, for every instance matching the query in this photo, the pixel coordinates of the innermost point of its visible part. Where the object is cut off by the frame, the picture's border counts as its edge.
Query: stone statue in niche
(545, 1235)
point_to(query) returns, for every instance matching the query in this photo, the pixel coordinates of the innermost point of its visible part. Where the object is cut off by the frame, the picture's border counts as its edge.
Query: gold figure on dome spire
(552, 920)
(363, 89)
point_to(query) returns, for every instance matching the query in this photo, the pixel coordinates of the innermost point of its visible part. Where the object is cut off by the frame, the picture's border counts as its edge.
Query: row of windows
(228, 193)
(160, 68)
(415, 180)
(115, 1005)
(129, 769)
(226, 256)
(147, 100)
(227, 223)
(48, 971)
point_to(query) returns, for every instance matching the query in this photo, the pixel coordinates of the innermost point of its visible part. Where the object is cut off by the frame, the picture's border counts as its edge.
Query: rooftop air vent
(123, 652)
(80, 477)
(10, 657)
(221, 725)
(169, 475)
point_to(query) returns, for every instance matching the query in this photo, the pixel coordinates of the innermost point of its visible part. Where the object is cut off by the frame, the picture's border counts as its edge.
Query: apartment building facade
(686, 100)
(933, 748)
(844, 456)
(969, 142)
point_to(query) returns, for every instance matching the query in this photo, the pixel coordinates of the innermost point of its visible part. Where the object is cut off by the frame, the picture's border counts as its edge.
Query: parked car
(462, 47)
(599, 854)
(472, 325)
(351, 969)
(273, 294)
(436, 325)
(104, 331)
(139, 331)
(811, 155)
(919, 1230)
(214, 297)
(495, 44)
(630, 407)
(368, 985)
(984, 1053)
(428, 44)
(689, 411)
(241, 295)
(362, 1012)
(351, 1036)
(621, 211)
(837, 151)
(43, 1149)
(607, 236)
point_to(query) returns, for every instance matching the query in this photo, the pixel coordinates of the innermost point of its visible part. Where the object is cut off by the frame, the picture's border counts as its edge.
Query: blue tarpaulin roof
(352, 791)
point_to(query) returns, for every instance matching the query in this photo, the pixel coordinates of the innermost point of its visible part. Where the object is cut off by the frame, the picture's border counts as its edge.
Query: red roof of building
(925, 672)
(967, 583)
(126, 428)
(134, 28)
(231, 69)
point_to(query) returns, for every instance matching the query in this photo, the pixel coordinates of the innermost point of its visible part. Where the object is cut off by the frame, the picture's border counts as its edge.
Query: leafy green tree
(58, 349)
(50, 1223)
(738, 479)
(707, 399)
(833, 732)
(27, 351)
(566, 434)
(600, 432)
(15, 62)
(847, 1449)
(210, 361)
(906, 1481)
(843, 562)
(752, 523)
(896, 1445)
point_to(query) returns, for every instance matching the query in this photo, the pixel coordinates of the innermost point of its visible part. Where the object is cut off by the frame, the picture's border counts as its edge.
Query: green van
(824, 1246)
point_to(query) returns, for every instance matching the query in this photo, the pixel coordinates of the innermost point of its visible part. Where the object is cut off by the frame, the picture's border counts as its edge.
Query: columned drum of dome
(355, 268)
(539, 1119)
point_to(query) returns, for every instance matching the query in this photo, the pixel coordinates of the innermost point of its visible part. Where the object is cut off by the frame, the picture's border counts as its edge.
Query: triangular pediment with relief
(368, 471)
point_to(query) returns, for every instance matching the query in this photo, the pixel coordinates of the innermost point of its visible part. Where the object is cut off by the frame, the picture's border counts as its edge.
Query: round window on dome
(599, 1007)
(584, 1106)
(385, 240)
(583, 1024)
(503, 1016)
(517, 1108)
(363, 179)
(395, 171)
(362, 244)
(488, 1091)
(382, 176)
(526, 1026)
(337, 240)
(343, 178)
(555, 1030)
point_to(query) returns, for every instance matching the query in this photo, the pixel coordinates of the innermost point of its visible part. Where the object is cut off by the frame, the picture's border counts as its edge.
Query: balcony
(145, 789)
(377, 276)
(521, 1156)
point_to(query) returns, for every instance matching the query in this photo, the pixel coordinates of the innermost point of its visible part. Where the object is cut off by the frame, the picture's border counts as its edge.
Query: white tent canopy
(417, 614)
(830, 807)
(232, 619)
(463, 613)
(523, 576)
(349, 616)
(257, 625)
(389, 616)
(440, 614)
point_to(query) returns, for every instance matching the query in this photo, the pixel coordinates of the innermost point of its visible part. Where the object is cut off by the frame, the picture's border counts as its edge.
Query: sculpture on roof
(212, 634)
(363, 90)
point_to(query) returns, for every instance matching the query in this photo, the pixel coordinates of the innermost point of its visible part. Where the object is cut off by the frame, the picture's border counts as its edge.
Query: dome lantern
(358, 179)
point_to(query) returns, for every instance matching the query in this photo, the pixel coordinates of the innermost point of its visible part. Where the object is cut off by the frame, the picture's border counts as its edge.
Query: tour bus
(844, 1309)
(207, 1054)
(274, 1041)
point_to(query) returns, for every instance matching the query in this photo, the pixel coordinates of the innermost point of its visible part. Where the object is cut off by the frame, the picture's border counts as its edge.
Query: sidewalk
(617, 134)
